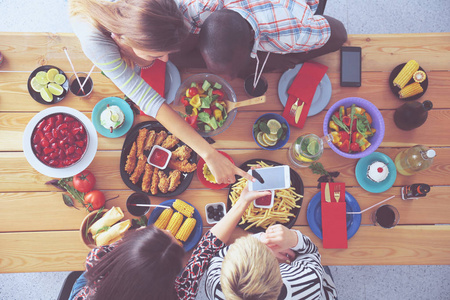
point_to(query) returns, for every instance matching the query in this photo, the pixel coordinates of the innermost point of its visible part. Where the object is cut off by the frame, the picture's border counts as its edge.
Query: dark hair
(144, 265)
(226, 38)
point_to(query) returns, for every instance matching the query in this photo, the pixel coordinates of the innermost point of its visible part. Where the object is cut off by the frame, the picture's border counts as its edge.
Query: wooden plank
(374, 88)
(63, 250)
(41, 211)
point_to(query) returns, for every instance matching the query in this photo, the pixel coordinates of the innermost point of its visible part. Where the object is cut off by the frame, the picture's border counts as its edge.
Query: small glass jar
(305, 150)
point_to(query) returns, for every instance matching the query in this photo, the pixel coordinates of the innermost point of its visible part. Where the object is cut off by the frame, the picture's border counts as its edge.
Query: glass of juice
(74, 86)
(138, 198)
(305, 150)
(259, 90)
(385, 216)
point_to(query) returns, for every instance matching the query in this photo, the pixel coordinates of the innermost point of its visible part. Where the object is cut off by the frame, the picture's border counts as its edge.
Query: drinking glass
(259, 90)
(305, 150)
(74, 86)
(386, 216)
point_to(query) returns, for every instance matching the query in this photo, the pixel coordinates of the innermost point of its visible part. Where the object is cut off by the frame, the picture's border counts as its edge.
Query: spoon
(148, 205)
(253, 101)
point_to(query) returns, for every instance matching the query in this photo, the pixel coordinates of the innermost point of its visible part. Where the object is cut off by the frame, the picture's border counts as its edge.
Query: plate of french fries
(408, 81)
(140, 176)
(182, 220)
(287, 203)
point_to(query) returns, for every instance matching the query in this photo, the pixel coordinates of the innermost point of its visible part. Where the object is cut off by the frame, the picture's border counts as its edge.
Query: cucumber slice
(206, 85)
(217, 86)
(193, 84)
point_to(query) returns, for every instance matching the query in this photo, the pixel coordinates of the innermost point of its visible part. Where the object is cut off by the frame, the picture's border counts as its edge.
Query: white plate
(321, 97)
(172, 83)
(76, 168)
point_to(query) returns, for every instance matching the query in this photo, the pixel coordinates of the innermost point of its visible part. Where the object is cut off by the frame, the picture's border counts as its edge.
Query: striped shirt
(304, 278)
(283, 26)
(105, 54)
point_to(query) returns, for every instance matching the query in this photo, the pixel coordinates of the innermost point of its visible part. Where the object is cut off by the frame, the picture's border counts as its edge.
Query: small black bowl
(138, 198)
(37, 96)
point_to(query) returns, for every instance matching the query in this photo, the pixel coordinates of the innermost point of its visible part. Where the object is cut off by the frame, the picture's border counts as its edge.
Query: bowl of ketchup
(265, 201)
(159, 157)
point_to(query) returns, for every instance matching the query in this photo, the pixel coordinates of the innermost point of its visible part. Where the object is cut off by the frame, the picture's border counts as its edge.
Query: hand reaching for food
(223, 170)
(279, 238)
(247, 196)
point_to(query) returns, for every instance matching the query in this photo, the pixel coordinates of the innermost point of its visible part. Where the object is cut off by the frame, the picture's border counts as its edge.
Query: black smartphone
(350, 66)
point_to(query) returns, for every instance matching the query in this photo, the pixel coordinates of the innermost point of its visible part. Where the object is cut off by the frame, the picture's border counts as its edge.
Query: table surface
(39, 233)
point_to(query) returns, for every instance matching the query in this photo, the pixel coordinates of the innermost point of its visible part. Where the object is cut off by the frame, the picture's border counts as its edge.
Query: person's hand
(223, 169)
(247, 196)
(279, 238)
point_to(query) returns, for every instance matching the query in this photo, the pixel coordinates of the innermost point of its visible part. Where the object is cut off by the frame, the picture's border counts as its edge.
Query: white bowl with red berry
(60, 142)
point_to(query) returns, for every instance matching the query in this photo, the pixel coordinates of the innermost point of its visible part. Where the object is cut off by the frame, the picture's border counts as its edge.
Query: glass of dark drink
(386, 216)
(138, 198)
(259, 90)
(75, 88)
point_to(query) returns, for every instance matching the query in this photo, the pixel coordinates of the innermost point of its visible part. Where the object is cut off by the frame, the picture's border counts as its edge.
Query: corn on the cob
(183, 208)
(164, 218)
(410, 90)
(175, 223)
(406, 73)
(186, 229)
(419, 76)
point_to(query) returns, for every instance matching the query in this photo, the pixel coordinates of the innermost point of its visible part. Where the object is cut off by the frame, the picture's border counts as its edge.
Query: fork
(337, 192)
(294, 107)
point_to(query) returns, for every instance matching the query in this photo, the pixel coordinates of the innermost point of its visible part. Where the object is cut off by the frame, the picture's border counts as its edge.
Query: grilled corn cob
(406, 73)
(419, 76)
(164, 218)
(410, 90)
(183, 208)
(186, 229)
(175, 223)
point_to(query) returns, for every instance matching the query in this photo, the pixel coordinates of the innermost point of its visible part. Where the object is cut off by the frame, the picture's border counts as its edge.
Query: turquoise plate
(101, 106)
(369, 185)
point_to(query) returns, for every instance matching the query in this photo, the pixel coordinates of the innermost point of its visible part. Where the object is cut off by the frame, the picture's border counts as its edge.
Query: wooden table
(39, 233)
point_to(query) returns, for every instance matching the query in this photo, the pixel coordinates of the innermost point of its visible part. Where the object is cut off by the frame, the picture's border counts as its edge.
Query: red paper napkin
(334, 218)
(304, 87)
(155, 76)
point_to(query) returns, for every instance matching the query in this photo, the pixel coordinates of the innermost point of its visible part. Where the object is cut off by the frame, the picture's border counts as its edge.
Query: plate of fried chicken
(140, 176)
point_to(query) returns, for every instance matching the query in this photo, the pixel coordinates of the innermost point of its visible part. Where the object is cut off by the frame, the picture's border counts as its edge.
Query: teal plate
(365, 182)
(101, 106)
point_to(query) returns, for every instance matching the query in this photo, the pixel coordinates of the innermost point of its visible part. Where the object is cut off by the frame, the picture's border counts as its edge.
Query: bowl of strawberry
(354, 127)
(60, 142)
(205, 97)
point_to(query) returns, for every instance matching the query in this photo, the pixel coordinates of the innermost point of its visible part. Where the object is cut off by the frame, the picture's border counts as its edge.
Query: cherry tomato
(94, 200)
(192, 91)
(345, 147)
(355, 147)
(346, 120)
(344, 135)
(192, 120)
(84, 181)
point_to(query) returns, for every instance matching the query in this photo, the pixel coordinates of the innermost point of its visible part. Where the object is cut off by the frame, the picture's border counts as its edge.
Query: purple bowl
(377, 123)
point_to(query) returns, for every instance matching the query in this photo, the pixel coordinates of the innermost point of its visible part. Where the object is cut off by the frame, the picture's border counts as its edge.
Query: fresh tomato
(346, 120)
(343, 135)
(84, 181)
(355, 147)
(345, 147)
(191, 92)
(336, 114)
(208, 111)
(185, 100)
(192, 120)
(354, 124)
(219, 93)
(94, 200)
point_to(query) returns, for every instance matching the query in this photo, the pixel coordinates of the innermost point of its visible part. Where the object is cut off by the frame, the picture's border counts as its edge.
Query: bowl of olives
(214, 212)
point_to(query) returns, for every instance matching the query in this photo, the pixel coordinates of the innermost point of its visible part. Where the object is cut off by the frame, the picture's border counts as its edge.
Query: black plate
(37, 96)
(395, 89)
(297, 183)
(186, 178)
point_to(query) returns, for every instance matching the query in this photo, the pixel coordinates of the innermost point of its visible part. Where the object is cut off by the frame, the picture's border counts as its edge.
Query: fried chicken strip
(134, 178)
(147, 179)
(163, 183)
(150, 141)
(140, 141)
(131, 159)
(182, 153)
(174, 180)
(170, 141)
(160, 137)
(182, 165)
(155, 181)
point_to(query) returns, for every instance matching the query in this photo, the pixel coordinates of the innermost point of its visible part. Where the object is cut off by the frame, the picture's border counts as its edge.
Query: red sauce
(265, 200)
(159, 157)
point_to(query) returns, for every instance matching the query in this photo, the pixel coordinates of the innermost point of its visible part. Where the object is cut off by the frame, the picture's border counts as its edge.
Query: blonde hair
(153, 25)
(250, 271)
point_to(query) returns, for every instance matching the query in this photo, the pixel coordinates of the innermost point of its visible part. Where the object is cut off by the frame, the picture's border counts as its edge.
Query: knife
(298, 112)
(327, 192)
(257, 176)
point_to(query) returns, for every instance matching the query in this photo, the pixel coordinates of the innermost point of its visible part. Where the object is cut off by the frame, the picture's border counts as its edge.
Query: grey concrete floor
(359, 16)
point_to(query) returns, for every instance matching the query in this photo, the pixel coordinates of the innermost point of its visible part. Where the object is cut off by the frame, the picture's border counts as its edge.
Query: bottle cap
(431, 153)
(427, 104)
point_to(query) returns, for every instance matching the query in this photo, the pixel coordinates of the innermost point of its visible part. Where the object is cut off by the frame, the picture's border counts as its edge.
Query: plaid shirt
(283, 26)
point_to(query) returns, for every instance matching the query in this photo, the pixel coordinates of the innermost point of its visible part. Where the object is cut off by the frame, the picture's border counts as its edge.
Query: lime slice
(59, 79)
(114, 117)
(313, 147)
(267, 141)
(55, 89)
(41, 77)
(273, 125)
(46, 95)
(260, 140)
(36, 85)
(51, 74)
(271, 137)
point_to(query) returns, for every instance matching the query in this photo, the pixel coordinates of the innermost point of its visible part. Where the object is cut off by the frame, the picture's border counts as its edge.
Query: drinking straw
(85, 80)
(255, 81)
(148, 205)
(73, 69)
(360, 212)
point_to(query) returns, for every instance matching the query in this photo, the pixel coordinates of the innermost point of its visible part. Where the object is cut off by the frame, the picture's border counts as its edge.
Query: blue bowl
(282, 121)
